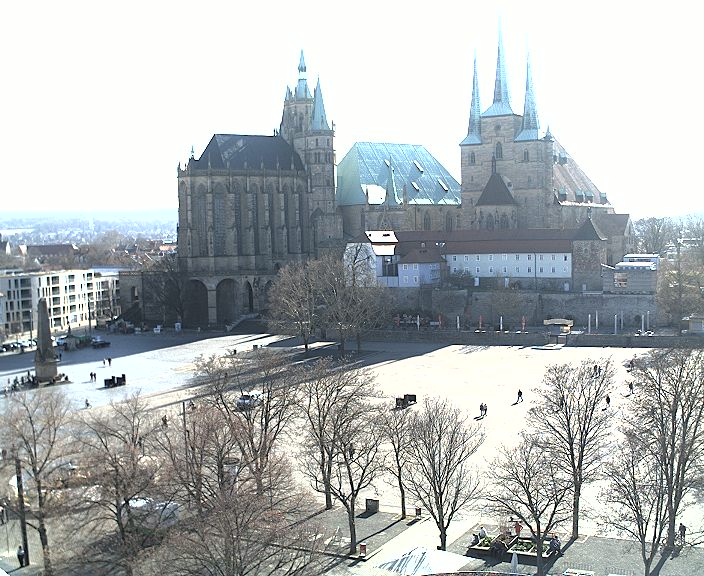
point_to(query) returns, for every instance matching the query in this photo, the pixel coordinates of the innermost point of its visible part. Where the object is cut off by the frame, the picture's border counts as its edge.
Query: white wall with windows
(71, 295)
(514, 265)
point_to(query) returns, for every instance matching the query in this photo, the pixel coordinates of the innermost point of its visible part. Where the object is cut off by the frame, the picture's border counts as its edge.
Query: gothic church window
(200, 220)
(490, 222)
(448, 222)
(426, 222)
(503, 224)
(472, 158)
(526, 156)
(499, 151)
(219, 224)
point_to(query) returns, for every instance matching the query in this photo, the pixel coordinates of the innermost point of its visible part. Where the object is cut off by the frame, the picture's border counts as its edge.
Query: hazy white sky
(100, 101)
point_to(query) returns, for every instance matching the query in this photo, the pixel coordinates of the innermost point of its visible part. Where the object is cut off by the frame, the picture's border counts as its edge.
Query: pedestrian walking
(518, 527)
(608, 401)
(109, 361)
(20, 555)
(485, 408)
(630, 387)
(481, 409)
(683, 531)
(103, 362)
(520, 396)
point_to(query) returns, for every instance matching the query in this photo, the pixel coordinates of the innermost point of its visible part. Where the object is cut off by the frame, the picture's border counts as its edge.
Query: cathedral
(251, 204)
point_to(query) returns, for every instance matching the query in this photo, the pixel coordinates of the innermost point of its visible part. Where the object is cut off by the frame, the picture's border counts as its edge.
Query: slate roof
(488, 241)
(496, 192)
(421, 256)
(570, 180)
(588, 231)
(613, 224)
(415, 172)
(271, 151)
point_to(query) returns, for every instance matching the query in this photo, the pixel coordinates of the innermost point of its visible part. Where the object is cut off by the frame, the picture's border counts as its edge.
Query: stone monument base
(46, 370)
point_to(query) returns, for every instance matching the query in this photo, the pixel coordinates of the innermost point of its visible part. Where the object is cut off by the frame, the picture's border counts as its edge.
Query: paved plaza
(161, 366)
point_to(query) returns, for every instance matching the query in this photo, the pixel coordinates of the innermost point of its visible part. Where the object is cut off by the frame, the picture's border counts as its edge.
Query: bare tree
(569, 413)
(36, 424)
(197, 454)
(292, 300)
(351, 299)
(654, 234)
(637, 497)
(356, 439)
(165, 288)
(668, 415)
(258, 426)
(527, 482)
(327, 389)
(244, 532)
(396, 428)
(440, 476)
(117, 447)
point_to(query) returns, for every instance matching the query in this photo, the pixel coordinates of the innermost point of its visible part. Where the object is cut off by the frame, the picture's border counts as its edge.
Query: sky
(101, 101)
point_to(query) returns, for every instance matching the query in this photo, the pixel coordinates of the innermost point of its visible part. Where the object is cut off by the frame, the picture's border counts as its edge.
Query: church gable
(496, 193)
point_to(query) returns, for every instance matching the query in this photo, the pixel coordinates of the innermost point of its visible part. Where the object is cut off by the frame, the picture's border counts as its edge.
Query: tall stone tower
(304, 125)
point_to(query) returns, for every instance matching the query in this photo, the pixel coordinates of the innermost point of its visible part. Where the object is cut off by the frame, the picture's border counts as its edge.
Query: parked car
(248, 401)
(99, 342)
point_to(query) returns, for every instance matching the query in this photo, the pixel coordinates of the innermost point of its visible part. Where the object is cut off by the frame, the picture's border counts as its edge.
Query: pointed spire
(320, 122)
(302, 90)
(530, 125)
(391, 192)
(474, 131)
(502, 100)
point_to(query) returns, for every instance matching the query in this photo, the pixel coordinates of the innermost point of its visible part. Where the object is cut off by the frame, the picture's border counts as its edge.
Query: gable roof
(613, 224)
(238, 152)
(588, 231)
(496, 192)
(418, 178)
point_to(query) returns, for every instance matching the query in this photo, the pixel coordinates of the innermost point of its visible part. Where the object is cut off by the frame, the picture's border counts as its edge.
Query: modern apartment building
(73, 297)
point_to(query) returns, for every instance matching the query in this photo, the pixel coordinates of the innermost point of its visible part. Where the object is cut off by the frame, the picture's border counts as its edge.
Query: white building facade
(73, 297)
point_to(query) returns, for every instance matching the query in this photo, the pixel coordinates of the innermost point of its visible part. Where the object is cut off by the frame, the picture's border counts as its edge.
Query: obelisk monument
(44, 358)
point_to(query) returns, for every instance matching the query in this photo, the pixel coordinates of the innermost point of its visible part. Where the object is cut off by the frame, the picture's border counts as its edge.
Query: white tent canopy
(421, 561)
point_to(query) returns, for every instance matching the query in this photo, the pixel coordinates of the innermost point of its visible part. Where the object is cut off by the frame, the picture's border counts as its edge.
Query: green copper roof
(529, 125)
(502, 101)
(320, 122)
(365, 170)
(474, 130)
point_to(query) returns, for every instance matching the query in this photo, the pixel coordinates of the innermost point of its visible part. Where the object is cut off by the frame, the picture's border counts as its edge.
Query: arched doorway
(248, 297)
(196, 309)
(226, 306)
(265, 297)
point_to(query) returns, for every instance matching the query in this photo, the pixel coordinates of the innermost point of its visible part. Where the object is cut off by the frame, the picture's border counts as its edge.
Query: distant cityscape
(84, 227)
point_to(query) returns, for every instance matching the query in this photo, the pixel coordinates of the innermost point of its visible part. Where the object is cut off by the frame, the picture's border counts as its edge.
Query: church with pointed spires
(515, 176)
(251, 204)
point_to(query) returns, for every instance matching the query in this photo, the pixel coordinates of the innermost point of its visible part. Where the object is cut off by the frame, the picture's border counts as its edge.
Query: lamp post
(20, 500)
